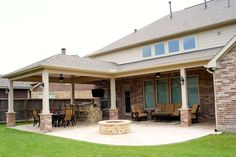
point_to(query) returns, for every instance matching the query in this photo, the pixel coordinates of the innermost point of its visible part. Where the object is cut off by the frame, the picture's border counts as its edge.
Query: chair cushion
(194, 108)
(142, 115)
(157, 108)
(176, 109)
(169, 108)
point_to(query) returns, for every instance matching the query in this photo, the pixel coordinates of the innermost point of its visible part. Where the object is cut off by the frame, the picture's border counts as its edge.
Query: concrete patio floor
(142, 133)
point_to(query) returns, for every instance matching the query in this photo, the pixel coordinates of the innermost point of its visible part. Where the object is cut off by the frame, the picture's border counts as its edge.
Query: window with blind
(193, 92)
(161, 91)
(176, 97)
(148, 94)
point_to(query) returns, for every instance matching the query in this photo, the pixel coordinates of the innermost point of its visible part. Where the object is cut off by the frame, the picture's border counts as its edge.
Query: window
(159, 49)
(173, 46)
(146, 51)
(162, 91)
(189, 43)
(176, 96)
(193, 93)
(148, 94)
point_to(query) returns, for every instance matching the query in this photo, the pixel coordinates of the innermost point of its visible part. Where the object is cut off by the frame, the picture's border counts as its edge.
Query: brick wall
(206, 90)
(225, 85)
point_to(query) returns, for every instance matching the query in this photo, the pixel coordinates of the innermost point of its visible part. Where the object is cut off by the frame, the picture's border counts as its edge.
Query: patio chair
(68, 118)
(138, 114)
(176, 113)
(74, 115)
(36, 117)
(194, 112)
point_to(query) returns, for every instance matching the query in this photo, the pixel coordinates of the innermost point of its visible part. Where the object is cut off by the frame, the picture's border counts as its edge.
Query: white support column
(113, 112)
(113, 93)
(183, 79)
(185, 112)
(10, 97)
(45, 79)
(72, 100)
(10, 115)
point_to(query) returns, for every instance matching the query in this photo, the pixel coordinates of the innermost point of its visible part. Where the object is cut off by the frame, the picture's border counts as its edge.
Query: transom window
(189, 43)
(146, 51)
(159, 49)
(173, 46)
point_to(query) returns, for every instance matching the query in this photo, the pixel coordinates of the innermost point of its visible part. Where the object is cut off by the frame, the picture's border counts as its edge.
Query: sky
(31, 30)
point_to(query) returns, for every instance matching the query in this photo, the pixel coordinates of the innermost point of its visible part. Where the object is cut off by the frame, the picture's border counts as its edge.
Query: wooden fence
(25, 107)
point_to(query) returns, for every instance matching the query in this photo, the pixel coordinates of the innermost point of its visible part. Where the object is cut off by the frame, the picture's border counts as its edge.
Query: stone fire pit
(114, 127)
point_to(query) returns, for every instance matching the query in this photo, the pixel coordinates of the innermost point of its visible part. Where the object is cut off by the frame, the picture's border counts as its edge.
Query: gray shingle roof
(189, 19)
(81, 63)
(71, 61)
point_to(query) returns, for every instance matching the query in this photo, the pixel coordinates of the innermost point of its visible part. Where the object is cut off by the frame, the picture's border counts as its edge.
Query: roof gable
(222, 52)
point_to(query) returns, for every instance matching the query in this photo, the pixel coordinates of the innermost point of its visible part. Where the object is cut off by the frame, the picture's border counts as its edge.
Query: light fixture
(61, 78)
(103, 82)
(182, 80)
(158, 75)
(42, 84)
(7, 90)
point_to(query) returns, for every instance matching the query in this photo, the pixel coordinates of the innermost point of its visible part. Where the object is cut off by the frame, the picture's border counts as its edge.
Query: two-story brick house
(185, 58)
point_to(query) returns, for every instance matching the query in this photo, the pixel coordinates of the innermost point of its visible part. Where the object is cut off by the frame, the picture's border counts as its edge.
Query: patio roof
(84, 66)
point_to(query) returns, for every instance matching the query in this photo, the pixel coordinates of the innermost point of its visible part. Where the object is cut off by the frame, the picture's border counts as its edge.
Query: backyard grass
(14, 143)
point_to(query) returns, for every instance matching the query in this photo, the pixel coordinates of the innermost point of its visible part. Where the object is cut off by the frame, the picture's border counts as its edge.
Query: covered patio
(59, 68)
(74, 69)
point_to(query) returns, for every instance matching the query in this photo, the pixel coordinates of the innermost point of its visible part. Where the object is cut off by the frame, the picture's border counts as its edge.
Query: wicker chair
(68, 117)
(194, 112)
(138, 114)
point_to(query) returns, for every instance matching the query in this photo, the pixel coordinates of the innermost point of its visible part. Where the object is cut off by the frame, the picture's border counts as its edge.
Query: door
(126, 100)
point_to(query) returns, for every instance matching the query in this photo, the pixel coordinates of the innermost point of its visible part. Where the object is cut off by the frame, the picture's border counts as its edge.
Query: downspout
(212, 71)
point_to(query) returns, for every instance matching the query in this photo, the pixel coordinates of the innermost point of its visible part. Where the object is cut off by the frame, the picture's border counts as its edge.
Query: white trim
(225, 49)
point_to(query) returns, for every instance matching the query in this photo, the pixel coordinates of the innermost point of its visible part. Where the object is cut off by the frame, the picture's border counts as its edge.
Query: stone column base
(185, 117)
(113, 114)
(10, 119)
(46, 122)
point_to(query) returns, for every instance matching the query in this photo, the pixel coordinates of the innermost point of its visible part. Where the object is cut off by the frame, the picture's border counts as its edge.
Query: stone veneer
(206, 90)
(114, 127)
(10, 119)
(225, 89)
(93, 112)
(46, 122)
(113, 114)
(185, 117)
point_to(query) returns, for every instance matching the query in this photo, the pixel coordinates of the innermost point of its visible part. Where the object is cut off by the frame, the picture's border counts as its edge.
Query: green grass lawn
(22, 144)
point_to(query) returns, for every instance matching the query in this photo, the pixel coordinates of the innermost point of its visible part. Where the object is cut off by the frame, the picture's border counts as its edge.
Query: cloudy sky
(31, 30)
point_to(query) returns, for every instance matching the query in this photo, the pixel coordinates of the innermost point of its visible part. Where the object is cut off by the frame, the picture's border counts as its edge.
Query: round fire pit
(114, 127)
